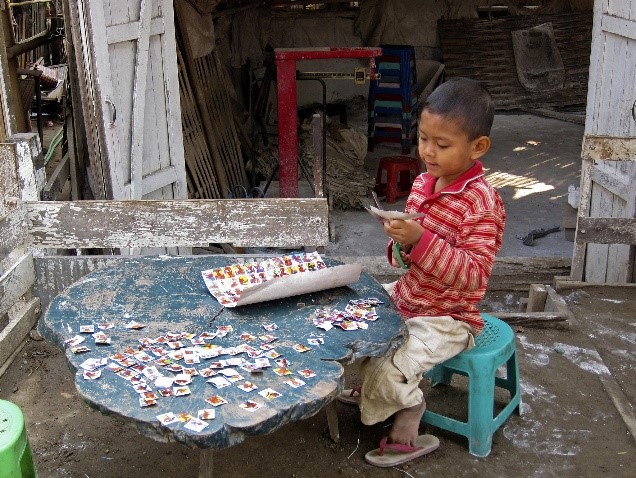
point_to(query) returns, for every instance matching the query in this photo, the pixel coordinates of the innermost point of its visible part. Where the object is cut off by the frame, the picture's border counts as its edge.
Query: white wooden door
(126, 55)
(608, 177)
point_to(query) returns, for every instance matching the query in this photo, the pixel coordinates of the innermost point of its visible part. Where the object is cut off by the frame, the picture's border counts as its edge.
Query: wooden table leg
(205, 463)
(332, 421)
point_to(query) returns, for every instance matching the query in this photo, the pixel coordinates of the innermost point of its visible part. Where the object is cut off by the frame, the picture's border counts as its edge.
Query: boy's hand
(407, 233)
(406, 259)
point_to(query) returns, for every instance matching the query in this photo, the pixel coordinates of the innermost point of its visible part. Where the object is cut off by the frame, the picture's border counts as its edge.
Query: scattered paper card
(247, 386)
(167, 418)
(216, 400)
(206, 414)
(295, 382)
(307, 373)
(250, 405)
(269, 394)
(196, 425)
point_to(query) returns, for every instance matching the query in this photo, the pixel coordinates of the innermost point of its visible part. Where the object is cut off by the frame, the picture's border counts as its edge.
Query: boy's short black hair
(465, 102)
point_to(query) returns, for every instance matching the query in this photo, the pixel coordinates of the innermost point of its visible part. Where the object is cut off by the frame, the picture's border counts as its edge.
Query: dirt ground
(569, 426)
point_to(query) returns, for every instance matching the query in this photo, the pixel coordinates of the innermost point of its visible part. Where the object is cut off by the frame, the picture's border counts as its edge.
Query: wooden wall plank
(619, 26)
(612, 182)
(13, 228)
(608, 148)
(16, 282)
(54, 274)
(251, 222)
(9, 184)
(130, 31)
(18, 327)
(596, 263)
(58, 179)
(29, 164)
(606, 230)
(139, 90)
(172, 112)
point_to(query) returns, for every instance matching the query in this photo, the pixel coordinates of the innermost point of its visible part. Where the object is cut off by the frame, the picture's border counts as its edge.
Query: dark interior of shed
(225, 57)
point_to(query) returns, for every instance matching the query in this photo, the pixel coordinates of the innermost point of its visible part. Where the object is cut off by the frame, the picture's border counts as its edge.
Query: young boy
(450, 252)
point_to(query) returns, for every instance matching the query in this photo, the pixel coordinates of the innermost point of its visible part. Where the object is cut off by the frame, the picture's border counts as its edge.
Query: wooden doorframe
(605, 247)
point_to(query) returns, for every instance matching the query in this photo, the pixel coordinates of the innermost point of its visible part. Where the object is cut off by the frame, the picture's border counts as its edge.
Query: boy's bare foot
(406, 425)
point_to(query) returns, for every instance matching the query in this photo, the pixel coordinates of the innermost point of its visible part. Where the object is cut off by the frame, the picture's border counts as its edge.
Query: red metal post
(286, 91)
(287, 129)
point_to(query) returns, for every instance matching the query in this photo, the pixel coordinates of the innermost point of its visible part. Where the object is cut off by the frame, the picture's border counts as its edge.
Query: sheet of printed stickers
(228, 283)
(162, 368)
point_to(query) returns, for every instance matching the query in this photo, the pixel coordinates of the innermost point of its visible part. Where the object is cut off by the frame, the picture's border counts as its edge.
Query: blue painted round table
(167, 294)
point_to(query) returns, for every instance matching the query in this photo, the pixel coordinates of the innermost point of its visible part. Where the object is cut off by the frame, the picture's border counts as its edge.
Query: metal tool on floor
(528, 239)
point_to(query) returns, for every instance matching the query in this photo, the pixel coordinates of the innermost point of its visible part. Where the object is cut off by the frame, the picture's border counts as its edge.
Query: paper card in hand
(382, 215)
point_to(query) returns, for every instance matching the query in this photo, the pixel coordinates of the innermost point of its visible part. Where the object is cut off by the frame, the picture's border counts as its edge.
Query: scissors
(397, 247)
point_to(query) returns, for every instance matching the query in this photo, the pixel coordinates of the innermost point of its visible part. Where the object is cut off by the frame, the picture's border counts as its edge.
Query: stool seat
(16, 460)
(494, 347)
(400, 173)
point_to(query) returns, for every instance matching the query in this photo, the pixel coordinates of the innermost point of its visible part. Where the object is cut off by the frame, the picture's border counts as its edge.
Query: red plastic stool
(400, 173)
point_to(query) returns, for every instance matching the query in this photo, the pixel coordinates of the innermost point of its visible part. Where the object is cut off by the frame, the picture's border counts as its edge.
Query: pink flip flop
(350, 396)
(392, 454)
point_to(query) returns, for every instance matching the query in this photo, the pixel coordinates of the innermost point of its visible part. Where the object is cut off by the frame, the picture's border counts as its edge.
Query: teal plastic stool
(16, 460)
(494, 347)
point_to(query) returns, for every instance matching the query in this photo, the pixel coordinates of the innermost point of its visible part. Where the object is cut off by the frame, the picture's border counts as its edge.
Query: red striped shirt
(452, 262)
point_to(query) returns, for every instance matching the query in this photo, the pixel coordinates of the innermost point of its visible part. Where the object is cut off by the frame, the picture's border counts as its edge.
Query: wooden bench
(34, 234)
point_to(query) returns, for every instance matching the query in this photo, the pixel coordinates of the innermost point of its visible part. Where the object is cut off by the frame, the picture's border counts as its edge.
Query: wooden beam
(288, 223)
(17, 329)
(611, 182)
(517, 273)
(130, 31)
(542, 320)
(608, 148)
(60, 176)
(13, 231)
(536, 298)
(619, 26)
(16, 282)
(139, 101)
(606, 230)
(565, 284)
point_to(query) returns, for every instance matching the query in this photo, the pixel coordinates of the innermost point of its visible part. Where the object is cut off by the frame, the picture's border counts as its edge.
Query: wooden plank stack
(214, 161)
(347, 183)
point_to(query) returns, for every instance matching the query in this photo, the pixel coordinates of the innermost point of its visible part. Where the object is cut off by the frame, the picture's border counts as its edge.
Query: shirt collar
(476, 171)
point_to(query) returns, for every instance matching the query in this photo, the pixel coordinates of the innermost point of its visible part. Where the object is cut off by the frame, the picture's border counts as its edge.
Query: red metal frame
(286, 59)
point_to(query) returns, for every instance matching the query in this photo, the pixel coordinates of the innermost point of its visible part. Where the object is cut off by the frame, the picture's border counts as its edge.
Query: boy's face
(444, 147)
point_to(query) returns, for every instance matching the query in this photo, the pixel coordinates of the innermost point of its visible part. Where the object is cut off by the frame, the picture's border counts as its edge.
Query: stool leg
(440, 374)
(405, 180)
(481, 398)
(27, 465)
(378, 180)
(391, 185)
(512, 377)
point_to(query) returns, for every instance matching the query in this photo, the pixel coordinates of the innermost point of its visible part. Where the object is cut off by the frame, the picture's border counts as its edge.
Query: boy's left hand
(407, 233)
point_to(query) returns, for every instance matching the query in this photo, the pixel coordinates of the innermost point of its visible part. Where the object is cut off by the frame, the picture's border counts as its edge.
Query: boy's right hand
(406, 259)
